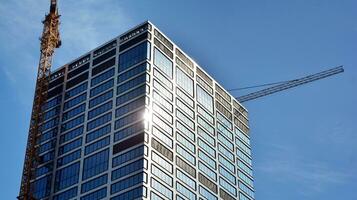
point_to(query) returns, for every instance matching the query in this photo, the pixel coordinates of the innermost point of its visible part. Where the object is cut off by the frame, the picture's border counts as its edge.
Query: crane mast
(290, 84)
(50, 40)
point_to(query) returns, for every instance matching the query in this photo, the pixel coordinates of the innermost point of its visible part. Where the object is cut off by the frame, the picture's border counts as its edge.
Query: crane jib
(290, 84)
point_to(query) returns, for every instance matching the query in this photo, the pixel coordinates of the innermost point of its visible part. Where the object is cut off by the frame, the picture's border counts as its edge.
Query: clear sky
(304, 140)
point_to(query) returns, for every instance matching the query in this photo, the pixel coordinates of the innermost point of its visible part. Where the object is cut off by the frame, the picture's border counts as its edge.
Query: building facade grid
(137, 118)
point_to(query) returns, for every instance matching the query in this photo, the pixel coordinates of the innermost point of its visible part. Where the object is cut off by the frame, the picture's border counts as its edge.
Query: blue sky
(304, 140)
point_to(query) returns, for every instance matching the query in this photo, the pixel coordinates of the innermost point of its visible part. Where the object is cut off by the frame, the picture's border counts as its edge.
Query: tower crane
(50, 40)
(280, 86)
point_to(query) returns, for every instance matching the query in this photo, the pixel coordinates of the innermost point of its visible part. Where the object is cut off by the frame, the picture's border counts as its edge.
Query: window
(47, 157)
(161, 112)
(185, 119)
(242, 196)
(128, 156)
(225, 142)
(95, 164)
(162, 162)
(204, 146)
(130, 107)
(103, 54)
(207, 182)
(246, 189)
(186, 179)
(242, 136)
(205, 193)
(132, 94)
(70, 146)
(133, 72)
(97, 145)
(184, 191)
(185, 131)
(128, 143)
(99, 121)
(205, 125)
(68, 158)
(100, 110)
(47, 146)
(244, 167)
(67, 176)
(231, 189)
(50, 124)
(182, 140)
(77, 80)
(184, 97)
(161, 175)
(133, 56)
(225, 152)
(73, 92)
(243, 147)
(224, 131)
(244, 157)
(162, 136)
(48, 135)
(181, 151)
(224, 121)
(52, 103)
(226, 174)
(207, 159)
(67, 194)
(185, 108)
(51, 113)
(98, 133)
(97, 195)
(71, 134)
(134, 40)
(42, 187)
(44, 169)
(162, 101)
(133, 83)
(205, 114)
(168, 129)
(166, 152)
(94, 183)
(245, 178)
(162, 90)
(128, 119)
(103, 66)
(207, 137)
(163, 63)
(128, 182)
(226, 163)
(131, 130)
(204, 99)
(163, 48)
(184, 81)
(206, 170)
(131, 194)
(166, 82)
(74, 112)
(101, 98)
(73, 123)
(204, 84)
(75, 101)
(102, 77)
(185, 166)
(128, 169)
(102, 87)
(161, 188)
(154, 196)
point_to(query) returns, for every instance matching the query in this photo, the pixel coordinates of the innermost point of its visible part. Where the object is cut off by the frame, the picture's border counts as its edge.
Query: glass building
(137, 118)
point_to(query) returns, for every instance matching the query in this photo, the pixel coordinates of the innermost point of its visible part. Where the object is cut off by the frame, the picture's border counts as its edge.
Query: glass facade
(138, 119)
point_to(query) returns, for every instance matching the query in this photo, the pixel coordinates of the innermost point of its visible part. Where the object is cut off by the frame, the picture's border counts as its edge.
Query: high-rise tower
(136, 118)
